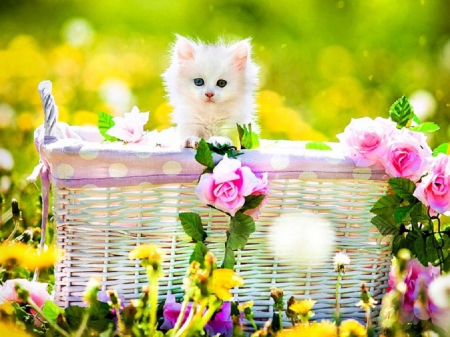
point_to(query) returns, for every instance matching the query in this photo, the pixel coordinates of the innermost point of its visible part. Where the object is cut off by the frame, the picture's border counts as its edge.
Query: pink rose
(364, 140)
(408, 155)
(38, 291)
(228, 185)
(129, 128)
(434, 188)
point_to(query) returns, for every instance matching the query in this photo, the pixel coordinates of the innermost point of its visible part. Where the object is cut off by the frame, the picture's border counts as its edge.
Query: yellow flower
(223, 280)
(246, 305)
(322, 329)
(6, 309)
(18, 253)
(352, 328)
(12, 329)
(150, 252)
(302, 307)
(44, 259)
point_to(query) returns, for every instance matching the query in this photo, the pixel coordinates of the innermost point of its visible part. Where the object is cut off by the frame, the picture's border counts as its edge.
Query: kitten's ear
(241, 51)
(184, 48)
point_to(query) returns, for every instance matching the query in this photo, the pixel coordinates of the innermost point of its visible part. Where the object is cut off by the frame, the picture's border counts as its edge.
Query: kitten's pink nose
(209, 94)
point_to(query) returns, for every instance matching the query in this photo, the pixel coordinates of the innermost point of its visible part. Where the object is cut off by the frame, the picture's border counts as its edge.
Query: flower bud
(15, 208)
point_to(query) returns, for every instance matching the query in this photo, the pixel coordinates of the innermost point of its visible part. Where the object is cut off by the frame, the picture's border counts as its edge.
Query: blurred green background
(322, 63)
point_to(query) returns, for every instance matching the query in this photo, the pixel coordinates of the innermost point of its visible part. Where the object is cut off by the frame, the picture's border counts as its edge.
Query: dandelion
(246, 308)
(223, 280)
(303, 309)
(149, 254)
(340, 260)
(151, 258)
(367, 303)
(352, 328)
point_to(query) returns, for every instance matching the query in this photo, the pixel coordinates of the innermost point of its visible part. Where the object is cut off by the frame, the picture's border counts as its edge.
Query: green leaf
(223, 149)
(199, 253)
(386, 205)
(204, 155)
(385, 225)
(106, 122)
(412, 236)
(416, 119)
(228, 260)
(398, 242)
(401, 213)
(443, 148)
(419, 214)
(74, 315)
(192, 225)
(420, 251)
(247, 138)
(52, 311)
(317, 146)
(427, 127)
(401, 112)
(252, 202)
(241, 226)
(404, 188)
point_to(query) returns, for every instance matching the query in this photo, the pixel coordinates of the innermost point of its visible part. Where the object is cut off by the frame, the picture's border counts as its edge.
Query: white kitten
(211, 87)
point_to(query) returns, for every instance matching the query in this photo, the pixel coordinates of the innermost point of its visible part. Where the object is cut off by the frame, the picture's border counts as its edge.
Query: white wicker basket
(109, 198)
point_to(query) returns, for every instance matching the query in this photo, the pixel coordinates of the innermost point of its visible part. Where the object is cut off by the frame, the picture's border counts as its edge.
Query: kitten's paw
(219, 141)
(191, 142)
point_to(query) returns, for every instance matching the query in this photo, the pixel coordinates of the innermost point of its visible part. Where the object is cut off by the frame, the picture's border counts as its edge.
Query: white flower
(129, 128)
(302, 239)
(6, 160)
(439, 291)
(340, 260)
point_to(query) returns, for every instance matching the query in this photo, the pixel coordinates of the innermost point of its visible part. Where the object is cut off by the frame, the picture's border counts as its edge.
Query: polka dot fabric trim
(75, 162)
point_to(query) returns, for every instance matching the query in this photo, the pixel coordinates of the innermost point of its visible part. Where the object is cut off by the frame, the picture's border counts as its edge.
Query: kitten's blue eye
(199, 82)
(221, 83)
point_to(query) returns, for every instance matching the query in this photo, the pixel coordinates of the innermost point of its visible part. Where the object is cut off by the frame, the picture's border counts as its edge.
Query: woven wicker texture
(97, 227)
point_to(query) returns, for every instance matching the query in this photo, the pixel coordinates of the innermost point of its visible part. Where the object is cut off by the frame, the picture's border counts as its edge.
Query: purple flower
(417, 304)
(221, 323)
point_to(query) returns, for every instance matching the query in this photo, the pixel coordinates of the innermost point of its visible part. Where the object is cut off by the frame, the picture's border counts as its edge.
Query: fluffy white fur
(204, 111)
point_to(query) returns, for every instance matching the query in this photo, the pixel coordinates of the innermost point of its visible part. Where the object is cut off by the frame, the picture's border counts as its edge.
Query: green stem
(181, 315)
(41, 313)
(187, 324)
(336, 295)
(16, 227)
(280, 318)
(83, 324)
(368, 319)
(153, 282)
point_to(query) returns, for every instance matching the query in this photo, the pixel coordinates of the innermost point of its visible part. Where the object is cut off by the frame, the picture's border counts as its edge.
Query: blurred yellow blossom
(83, 117)
(352, 328)
(223, 280)
(315, 329)
(17, 253)
(12, 329)
(279, 121)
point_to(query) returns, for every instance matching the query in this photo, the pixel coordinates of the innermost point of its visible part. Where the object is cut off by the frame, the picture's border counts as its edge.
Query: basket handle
(50, 107)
